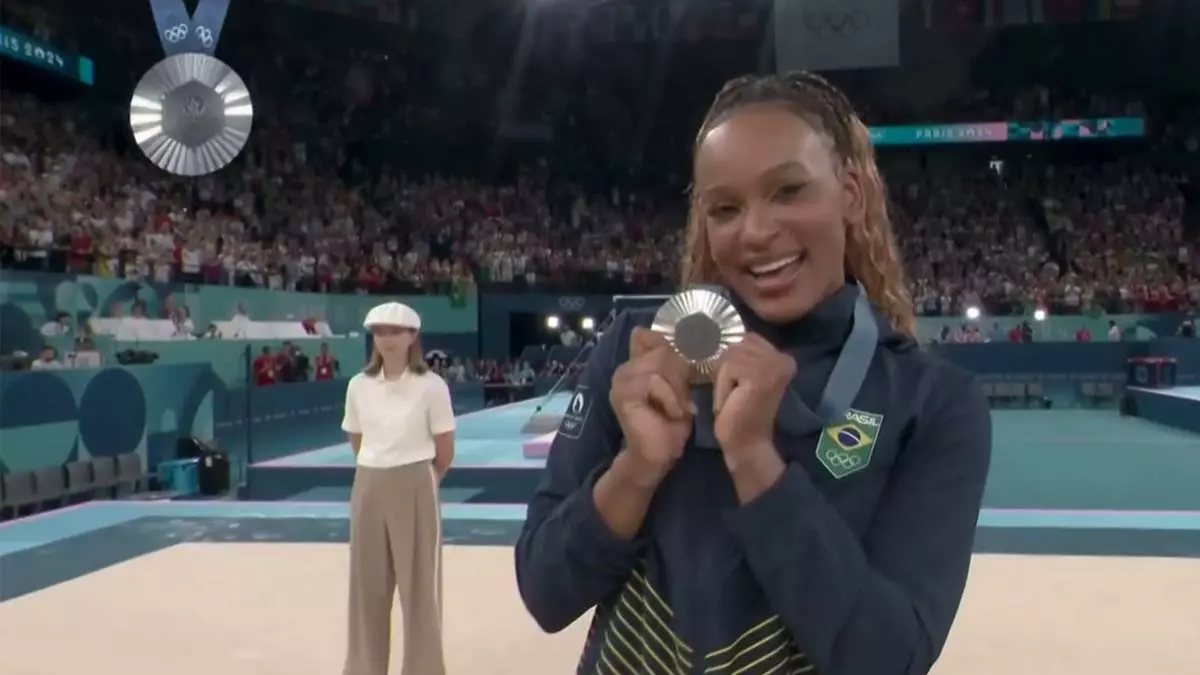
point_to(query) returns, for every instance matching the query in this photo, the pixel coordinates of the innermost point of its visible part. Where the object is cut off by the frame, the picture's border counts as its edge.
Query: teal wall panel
(53, 417)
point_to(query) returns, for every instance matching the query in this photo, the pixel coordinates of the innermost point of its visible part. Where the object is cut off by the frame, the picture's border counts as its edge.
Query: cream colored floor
(267, 609)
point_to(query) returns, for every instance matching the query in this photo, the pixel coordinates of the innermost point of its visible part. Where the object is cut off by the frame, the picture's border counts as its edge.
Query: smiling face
(774, 199)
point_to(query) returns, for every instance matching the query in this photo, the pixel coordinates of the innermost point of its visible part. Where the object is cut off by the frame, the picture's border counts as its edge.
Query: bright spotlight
(588, 323)
(1039, 315)
(553, 322)
(972, 313)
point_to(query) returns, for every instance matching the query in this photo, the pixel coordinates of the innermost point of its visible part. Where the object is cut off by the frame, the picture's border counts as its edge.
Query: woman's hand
(651, 397)
(750, 383)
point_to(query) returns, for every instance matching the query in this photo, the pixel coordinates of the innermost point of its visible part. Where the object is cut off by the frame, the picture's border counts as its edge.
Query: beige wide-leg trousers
(395, 545)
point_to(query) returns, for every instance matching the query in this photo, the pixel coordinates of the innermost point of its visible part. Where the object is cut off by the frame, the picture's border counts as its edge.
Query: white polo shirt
(397, 419)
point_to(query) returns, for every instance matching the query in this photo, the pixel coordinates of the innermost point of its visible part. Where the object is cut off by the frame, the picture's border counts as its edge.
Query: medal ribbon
(183, 33)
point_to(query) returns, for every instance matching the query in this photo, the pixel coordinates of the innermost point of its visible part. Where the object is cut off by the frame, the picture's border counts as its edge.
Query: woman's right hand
(651, 397)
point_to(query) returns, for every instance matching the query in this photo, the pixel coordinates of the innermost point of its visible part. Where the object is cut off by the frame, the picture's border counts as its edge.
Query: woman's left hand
(750, 383)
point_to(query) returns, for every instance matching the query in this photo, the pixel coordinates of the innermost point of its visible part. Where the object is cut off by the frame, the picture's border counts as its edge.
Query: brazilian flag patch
(846, 447)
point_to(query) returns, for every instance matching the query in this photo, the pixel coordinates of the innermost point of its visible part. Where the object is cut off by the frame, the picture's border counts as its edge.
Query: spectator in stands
(496, 374)
(327, 367)
(456, 371)
(522, 375)
(968, 333)
(47, 360)
(61, 325)
(552, 368)
(302, 364)
(400, 422)
(291, 363)
(265, 368)
(1027, 332)
(239, 322)
(181, 318)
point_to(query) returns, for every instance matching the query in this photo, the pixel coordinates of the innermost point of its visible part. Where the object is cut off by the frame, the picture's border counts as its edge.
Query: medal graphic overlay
(700, 324)
(191, 113)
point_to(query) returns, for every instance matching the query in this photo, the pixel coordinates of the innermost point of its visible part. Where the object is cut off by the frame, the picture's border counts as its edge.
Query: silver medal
(191, 114)
(700, 324)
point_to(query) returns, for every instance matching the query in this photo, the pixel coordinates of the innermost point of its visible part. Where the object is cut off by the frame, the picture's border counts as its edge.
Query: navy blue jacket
(854, 563)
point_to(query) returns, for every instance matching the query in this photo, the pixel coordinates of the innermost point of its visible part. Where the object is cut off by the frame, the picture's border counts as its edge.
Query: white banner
(836, 34)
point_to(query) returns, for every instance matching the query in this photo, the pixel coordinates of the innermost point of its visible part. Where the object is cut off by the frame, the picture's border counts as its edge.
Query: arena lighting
(973, 313)
(588, 323)
(1039, 315)
(553, 322)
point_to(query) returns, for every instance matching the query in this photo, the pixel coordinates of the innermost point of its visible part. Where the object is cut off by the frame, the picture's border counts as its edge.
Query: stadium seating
(417, 188)
(23, 492)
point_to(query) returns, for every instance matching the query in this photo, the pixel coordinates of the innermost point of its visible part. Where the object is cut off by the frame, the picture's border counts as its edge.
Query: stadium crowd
(312, 207)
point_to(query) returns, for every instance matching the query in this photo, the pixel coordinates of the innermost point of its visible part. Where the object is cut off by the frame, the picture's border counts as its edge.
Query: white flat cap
(392, 314)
